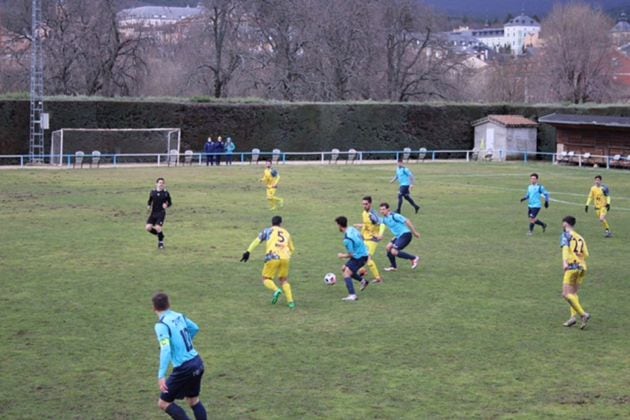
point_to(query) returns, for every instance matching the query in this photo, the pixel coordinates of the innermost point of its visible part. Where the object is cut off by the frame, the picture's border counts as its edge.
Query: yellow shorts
(574, 277)
(601, 212)
(271, 192)
(276, 268)
(371, 246)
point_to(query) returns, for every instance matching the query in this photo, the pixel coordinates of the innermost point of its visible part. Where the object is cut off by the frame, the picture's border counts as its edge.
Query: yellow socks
(286, 288)
(269, 284)
(574, 301)
(373, 269)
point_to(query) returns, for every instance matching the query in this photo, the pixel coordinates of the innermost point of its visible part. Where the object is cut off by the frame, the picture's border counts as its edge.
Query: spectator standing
(229, 150)
(207, 150)
(220, 149)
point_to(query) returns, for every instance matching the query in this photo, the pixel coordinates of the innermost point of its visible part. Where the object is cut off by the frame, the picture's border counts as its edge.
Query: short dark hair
(368, 198)
(400, 160)
(276, 220)
(158, 180)
(570, 220)
(383, 204)
(598, 177)
(342, 221)
(534, 174)
(160, 301)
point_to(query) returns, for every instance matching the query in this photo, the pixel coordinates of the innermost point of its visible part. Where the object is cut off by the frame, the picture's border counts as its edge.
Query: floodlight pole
(36, 138)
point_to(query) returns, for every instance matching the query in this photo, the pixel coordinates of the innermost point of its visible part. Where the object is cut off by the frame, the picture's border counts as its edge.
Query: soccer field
(475, 332)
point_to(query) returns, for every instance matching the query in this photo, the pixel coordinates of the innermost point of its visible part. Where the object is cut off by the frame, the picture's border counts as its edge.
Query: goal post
(109, 141)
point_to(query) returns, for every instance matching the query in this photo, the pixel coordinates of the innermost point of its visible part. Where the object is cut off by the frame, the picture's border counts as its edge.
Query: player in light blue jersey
(405, 179)
(357, 255)
(402, 228)
(175, 333)
(534, 197)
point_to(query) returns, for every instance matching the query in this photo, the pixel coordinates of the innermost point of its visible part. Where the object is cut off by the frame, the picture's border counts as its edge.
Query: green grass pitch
(475, 332)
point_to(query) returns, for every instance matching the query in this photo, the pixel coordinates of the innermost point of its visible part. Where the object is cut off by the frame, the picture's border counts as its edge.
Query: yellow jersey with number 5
(279, 244)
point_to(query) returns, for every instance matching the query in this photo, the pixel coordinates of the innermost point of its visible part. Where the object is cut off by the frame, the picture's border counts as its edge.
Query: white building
(147, 16)
(518, 33)
(517, 30)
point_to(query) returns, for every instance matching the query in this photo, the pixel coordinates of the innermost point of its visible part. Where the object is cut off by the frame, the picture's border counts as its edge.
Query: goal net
(114, 141)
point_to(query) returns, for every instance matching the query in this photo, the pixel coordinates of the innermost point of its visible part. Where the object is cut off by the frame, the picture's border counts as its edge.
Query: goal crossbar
(171, 145)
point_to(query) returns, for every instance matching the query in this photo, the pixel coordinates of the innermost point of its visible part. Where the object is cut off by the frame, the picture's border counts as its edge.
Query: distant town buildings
(514, 37)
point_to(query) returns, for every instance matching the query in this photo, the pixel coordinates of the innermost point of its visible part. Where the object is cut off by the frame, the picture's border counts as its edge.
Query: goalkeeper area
(132, 145)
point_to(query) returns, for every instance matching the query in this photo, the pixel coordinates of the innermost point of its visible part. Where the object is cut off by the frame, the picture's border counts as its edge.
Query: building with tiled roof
(505, 136)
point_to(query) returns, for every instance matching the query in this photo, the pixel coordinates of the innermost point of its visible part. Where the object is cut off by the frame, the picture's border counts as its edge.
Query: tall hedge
(287, 126)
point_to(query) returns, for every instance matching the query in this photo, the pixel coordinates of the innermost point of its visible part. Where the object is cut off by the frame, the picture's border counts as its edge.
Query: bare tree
(576, 62)
(282, 40)
(215, 46)
(417, 63)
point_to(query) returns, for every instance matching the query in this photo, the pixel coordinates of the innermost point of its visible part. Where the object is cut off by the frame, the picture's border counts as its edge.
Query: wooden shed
(591, 135)
(504, 136)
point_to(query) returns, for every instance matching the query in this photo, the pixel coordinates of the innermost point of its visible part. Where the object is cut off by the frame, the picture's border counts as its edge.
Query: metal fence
(333, 157)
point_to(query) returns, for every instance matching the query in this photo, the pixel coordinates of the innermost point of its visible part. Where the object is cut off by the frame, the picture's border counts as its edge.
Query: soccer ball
(330, 279)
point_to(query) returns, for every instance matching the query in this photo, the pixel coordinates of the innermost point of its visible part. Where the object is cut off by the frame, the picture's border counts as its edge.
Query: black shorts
(532, 212)
(157, 218)
(403, 190)
(185, 381)
(354, 264)
(402, 241)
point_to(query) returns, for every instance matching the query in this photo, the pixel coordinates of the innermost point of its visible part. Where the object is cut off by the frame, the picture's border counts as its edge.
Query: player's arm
(169, 202)
(291, 245)
(412, 227)
(545, 194)
(150, 200)
(412, 179)
(394, 178)
(192, 328)
(525, 197)
(250, 249)
(161, 331)
(588, 200)
(348, 244)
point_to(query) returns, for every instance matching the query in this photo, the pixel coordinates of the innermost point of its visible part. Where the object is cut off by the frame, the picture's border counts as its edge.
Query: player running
(372, 229)
(159, 201)
(271, 178)
(405, 179)
(277, 258)
(175, 333)
(357, 255)
(600, 196)
(535, 193)
(402, 228)
(574, 255)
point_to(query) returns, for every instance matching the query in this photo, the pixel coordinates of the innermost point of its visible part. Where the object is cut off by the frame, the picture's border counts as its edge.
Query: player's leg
(569, 292)
(371, 264)
(601, 213)
(149, 228)
(175, 384)
(401, 193)
(271, 194)
(283, 277)
(347, 278)
(270, 269)
(159, 227)
(401, 243)
(407, 196)
(193, 389)
(391, 256)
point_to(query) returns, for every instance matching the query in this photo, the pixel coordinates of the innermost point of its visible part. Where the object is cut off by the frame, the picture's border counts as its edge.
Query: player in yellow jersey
(371, 230)
(279, 247)
(271, 178)
(600, 196)
(574, 255)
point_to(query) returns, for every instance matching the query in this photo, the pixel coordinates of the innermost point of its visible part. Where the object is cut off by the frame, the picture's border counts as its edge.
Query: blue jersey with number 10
(175, 334)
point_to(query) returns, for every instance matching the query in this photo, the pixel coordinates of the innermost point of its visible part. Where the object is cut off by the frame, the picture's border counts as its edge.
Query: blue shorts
(185, 381)
(404, 190)
(402, 241)
(354, 264)
(532, 212)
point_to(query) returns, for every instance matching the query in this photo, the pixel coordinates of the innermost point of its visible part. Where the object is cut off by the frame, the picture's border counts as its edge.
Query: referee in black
(159, 201)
